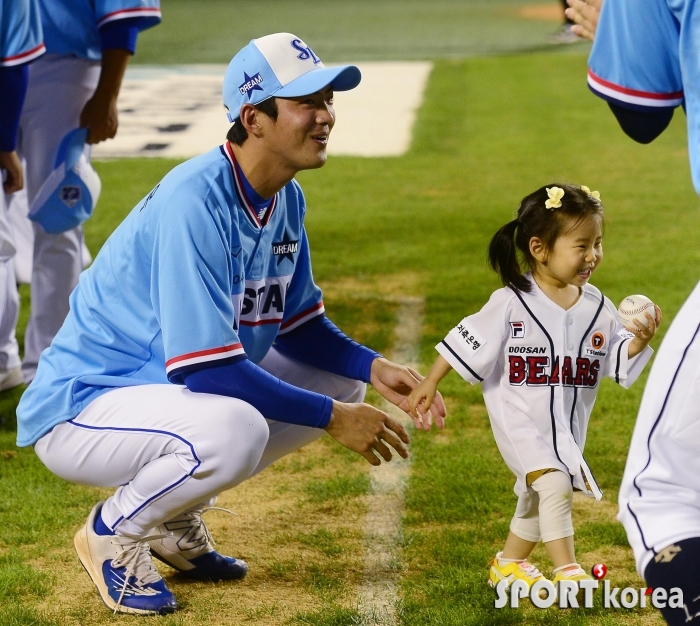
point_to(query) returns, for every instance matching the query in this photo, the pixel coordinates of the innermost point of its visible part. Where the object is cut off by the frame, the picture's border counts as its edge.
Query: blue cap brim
(71, 148)
(341, 78)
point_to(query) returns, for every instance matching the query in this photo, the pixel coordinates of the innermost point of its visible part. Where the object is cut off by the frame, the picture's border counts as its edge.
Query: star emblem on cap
(251, 84)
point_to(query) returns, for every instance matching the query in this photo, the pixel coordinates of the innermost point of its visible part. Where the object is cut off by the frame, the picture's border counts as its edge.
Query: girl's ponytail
(503, 257)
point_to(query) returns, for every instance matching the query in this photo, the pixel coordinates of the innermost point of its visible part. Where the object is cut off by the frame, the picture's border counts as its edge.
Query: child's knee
(554, 485)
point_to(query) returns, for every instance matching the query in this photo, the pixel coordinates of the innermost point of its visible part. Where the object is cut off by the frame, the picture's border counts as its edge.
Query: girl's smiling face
(575, 255)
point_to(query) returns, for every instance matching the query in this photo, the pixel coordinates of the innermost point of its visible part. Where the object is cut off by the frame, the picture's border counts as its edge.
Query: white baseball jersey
(21, 39)
(540, 368)
(191, 278)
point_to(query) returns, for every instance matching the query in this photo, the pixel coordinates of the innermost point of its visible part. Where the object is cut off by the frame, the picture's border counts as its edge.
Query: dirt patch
(391, 288)
(546, 12)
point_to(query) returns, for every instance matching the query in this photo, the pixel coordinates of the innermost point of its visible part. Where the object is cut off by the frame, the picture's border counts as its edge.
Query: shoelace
(194, 516)
(530, 570)
(136, 560)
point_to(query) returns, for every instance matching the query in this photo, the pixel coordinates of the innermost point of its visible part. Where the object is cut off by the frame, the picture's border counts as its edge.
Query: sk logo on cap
(250, 84)
(305, 53)
(70, 195)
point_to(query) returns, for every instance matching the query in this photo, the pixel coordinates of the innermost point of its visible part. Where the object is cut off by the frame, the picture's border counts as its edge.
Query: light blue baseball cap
(68, 196)
(280, 65)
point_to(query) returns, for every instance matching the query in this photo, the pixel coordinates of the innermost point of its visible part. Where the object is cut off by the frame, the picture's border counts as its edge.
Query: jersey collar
(248, 206)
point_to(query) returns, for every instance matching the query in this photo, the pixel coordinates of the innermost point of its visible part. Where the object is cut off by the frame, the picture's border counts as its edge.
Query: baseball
(632, 310)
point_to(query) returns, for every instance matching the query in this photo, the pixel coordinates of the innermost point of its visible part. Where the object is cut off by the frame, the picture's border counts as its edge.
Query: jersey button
(569, 346)
(569, 320)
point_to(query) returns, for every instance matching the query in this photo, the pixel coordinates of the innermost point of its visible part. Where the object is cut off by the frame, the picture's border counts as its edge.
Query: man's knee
(234, 446)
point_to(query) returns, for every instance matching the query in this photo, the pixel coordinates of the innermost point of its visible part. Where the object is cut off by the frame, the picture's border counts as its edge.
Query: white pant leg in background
(59, 87)
(164, 447)
(9, 298)
(285, 438)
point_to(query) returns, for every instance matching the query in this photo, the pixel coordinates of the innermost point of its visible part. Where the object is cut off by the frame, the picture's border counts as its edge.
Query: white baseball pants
(167, 449)
(59, 87)
(9, 298)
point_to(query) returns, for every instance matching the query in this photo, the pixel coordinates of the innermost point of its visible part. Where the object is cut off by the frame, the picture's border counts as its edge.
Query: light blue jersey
(191, 278)
(21, 39)
(645, 56)
(72, 26)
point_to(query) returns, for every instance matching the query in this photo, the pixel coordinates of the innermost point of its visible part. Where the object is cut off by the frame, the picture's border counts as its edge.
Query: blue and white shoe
(123, 571)
(187, 546)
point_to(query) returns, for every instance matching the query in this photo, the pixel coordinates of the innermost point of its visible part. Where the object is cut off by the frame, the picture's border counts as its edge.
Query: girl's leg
(555, 495)
(524, 530)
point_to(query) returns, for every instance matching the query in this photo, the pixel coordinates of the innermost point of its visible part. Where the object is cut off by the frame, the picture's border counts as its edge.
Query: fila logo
(517, 330)
(305, 53)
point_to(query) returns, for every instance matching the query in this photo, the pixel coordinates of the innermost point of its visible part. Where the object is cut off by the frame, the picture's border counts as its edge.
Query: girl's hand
(419, 402)
(644, 334)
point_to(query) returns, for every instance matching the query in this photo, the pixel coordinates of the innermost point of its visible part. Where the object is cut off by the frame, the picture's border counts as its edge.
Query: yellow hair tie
(555, 195)
(592, 194)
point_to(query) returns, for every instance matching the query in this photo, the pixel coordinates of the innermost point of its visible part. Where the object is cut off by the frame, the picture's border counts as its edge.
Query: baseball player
(21, 42)
(88, 45)
(540, 347)
(644, 64)
(196, 351)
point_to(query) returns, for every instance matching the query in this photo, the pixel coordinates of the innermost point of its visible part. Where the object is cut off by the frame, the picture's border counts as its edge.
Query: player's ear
(538, 250)
(250, 119)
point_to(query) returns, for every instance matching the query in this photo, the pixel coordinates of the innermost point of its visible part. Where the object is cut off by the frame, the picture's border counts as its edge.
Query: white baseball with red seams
(633, 308)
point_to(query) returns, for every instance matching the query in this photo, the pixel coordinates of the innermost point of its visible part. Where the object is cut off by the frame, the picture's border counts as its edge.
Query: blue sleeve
(635, 59)
(13, 87)
(120, 34)
(274, 398)
(642, 126)
(322, 344)
(21, 36)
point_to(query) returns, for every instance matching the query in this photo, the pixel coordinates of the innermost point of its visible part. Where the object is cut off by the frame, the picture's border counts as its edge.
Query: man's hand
(395, 382)
(366, 430)
(585, 14)
(99, 114)
(14, 180)
(100, 117)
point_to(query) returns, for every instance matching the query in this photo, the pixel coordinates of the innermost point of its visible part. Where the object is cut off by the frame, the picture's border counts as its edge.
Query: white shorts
(167, 449)
(660, 491)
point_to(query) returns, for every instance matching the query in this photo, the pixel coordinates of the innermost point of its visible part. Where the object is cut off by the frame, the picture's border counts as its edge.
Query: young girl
(539, 347)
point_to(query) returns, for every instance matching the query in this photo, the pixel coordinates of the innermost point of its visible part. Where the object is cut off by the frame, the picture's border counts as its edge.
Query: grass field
(351, 30)
(491, 130)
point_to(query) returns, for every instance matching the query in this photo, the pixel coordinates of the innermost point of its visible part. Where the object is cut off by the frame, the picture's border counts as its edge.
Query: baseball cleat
(187, 546)
(515, 570)
(123, 571)
(9, 379)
